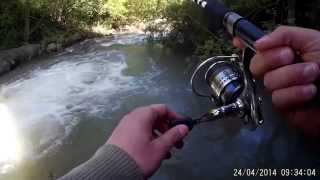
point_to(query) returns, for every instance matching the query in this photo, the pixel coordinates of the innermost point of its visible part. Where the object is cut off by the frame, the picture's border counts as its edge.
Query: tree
(27, 7)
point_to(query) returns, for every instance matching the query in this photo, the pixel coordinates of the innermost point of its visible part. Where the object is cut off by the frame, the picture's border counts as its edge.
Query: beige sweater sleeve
(109, 163)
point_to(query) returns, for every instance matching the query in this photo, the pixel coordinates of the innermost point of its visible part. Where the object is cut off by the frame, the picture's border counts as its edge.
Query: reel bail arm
(231, 87)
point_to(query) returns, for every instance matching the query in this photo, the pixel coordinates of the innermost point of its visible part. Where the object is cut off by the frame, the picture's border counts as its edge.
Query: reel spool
(223, 77)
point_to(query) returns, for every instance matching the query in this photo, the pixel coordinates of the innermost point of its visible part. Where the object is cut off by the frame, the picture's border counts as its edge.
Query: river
(57, 110)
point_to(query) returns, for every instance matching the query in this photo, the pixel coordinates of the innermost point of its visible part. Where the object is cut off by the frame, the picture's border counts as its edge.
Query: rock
(5, 66)
(20, 54)
(73, 39)
(52, 47)
(59, 47)
(90, 35)
(10, 58)
(26, 52)
(77, 37)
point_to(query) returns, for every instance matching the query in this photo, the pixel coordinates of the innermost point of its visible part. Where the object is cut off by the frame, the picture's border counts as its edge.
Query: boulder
(9, 58)
(77, 37)
(59, 47)
(52, 47)
(5, 66)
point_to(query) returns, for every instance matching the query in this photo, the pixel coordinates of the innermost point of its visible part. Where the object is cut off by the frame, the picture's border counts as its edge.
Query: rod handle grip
(189, 122)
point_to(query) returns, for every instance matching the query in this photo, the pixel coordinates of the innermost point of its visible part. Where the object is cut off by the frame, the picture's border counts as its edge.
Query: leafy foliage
(191, 32)
(124, 12)
(9, 22)
(45, 18)
(25, 21)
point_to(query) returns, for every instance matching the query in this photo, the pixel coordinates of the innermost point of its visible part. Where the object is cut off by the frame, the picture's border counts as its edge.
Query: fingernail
(183, 130)
(310, 91)
(310, 71)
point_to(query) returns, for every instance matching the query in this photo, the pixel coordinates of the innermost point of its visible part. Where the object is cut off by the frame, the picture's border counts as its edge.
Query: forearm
(109, 162)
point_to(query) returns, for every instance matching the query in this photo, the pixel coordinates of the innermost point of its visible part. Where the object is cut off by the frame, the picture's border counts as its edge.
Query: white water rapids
(47, 100)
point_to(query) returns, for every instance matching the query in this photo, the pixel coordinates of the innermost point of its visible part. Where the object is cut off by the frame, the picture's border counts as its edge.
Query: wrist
(121, 160)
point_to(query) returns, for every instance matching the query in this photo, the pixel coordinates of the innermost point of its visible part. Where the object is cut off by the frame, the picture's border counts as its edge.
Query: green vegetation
(191, 29)
(122, 12)
(28, 21)
(24, 21)
(35, 21)
(190, 32)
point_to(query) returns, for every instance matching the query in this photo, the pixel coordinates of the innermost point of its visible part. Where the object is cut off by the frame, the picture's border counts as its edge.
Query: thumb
(168, 140)
(297, 38)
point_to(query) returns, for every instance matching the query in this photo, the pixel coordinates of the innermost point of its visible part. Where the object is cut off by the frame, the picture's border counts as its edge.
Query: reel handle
(189, 122)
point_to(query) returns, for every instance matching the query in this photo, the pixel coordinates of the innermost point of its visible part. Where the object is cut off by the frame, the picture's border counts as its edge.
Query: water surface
(58, 110)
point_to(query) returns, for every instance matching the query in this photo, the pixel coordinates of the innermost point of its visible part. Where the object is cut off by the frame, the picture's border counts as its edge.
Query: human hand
(136, 135)
(288, 59)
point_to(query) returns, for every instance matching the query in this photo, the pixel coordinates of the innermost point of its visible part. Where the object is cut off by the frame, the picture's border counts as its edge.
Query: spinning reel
(229, 85)
(227, 79)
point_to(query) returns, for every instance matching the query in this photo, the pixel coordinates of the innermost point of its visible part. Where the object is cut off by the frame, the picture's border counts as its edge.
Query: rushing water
(57, 111)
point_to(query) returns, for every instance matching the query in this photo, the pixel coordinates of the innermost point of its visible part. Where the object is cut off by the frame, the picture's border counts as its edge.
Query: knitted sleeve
(109, 163)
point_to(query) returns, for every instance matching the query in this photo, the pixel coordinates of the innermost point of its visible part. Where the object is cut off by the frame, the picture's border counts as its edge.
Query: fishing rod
(235, 24)
(228, 78)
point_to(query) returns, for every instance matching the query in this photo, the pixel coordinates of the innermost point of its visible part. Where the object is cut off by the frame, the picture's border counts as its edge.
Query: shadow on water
(65, 106)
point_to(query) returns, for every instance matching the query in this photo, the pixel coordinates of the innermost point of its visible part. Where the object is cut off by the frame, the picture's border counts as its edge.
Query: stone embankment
(10, 58)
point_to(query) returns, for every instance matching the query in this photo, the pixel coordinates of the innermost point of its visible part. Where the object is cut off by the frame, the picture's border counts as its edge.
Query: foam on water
(48, 91)
(123, 40)
(50, 98)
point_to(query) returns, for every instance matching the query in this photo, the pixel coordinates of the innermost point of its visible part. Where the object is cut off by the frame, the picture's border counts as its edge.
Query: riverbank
(11, 58)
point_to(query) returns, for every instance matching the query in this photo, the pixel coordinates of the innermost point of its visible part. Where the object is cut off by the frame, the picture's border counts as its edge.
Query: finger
(299, 39)
(293, 96)
(150, 115)
(163, 112)
(238, 43)
(163, 116)
(292, 75)
(168, 140)
(271, 59)
(178, 145)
